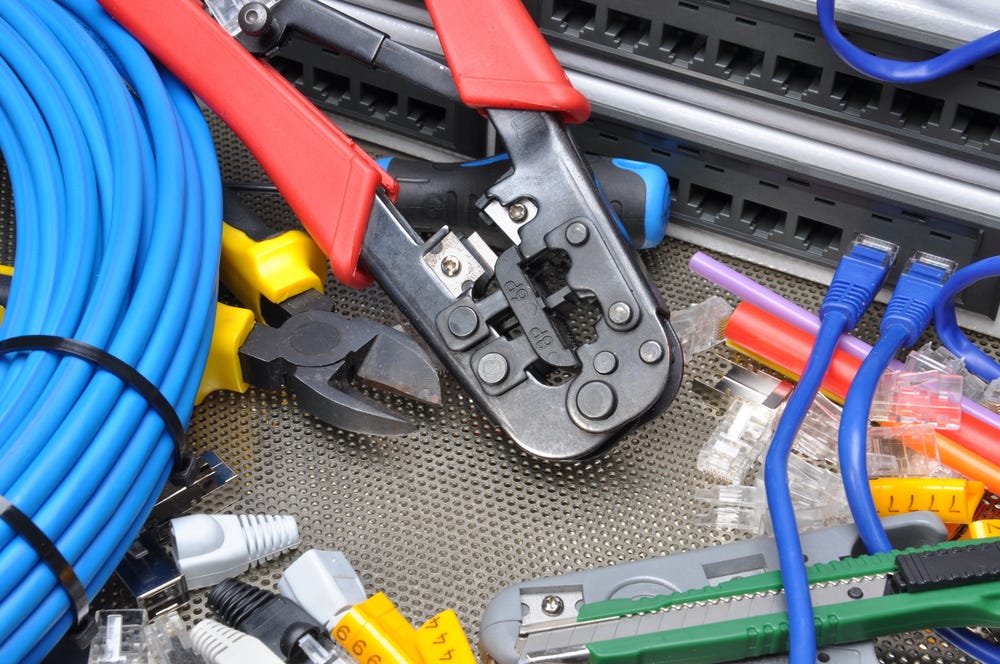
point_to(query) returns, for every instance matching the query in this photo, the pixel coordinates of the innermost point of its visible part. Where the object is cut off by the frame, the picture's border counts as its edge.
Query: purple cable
(762, 297)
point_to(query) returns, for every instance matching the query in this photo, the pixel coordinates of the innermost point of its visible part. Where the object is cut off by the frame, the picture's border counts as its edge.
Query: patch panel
(777, 54)
(792, 214)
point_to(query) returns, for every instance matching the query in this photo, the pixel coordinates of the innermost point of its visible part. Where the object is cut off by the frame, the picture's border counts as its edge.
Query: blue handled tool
(434, 194)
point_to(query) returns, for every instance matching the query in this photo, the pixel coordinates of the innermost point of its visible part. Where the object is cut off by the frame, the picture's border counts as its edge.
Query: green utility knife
(953, 584)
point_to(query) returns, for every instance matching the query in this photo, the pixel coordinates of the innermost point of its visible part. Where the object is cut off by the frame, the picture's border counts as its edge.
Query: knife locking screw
(552, 605)
(450, 266)
(517, 212)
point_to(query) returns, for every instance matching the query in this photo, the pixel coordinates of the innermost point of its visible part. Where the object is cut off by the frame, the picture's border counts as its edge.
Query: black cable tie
(123, 370)
(50, 555)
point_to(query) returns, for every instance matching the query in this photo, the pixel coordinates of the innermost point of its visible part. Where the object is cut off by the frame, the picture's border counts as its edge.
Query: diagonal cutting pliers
(299, 342)
(503, 325)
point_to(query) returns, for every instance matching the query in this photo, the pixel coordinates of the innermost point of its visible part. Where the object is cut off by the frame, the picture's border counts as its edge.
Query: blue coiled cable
(946, 320)
(119, 206)
(897, 71)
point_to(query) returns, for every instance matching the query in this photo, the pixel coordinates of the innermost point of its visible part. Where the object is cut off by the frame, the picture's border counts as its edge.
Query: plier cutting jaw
(503, 344)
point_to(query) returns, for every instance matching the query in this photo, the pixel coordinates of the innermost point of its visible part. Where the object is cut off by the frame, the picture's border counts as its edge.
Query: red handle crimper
(561, 339)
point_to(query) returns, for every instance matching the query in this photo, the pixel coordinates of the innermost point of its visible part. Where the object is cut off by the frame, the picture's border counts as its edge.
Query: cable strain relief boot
(268, 536)
(860, 274)
(912, 303)
(218, 644)
(848, 299)
(234, 601)
(214, 547)
(277, 621)
(908, 313)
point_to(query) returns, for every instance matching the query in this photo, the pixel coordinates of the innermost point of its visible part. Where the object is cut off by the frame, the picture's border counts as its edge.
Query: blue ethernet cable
(906, 317)
(898, 71)
(118, 201)
(858, 277)
(946, 321)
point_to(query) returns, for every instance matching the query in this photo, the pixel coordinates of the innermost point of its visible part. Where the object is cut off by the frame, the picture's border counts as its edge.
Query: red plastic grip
(499, 59)
(785, 348)
(328, 181)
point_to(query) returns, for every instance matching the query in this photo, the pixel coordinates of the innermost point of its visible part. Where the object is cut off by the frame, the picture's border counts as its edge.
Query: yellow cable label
(375, 632)
(982, 529)
(954, 500)
(441, 639)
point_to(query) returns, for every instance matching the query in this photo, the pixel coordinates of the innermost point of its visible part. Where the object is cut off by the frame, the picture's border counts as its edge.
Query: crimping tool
(496, 322)
(299, 342)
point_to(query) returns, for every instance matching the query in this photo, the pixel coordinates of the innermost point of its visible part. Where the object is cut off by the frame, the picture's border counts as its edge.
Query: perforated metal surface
(448, 516)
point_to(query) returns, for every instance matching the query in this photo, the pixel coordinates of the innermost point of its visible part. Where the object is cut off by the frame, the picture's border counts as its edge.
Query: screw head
(855, 593)
(450, 266)
(492, 368)
(596, 400)
(619, 313)
(517, 212)
(254, 18)
(552, 605)
(605, 362)
(577, 233)
(463, 321)
(651, 352)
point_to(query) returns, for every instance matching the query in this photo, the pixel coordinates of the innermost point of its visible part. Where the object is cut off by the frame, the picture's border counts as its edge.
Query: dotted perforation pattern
(451, 514)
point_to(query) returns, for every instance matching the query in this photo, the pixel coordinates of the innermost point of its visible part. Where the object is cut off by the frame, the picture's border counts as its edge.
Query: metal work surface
(448, 516)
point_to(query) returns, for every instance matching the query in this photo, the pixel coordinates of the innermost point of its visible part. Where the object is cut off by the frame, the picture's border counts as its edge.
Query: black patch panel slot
(976, 126)
(427, 116)
(796, 78)
(761, 220)
(682, 47)
(328, 85)
(290, 69)
(855, 94)
(628, 31)
(816, 237)
(739, 62)
(709, 204)
(574, 16)
(916, 112)
(381, 102)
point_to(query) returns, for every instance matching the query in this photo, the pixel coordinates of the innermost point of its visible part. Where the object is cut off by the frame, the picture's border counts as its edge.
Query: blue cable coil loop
(119, 204)
(946, 319)
(899, 71)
